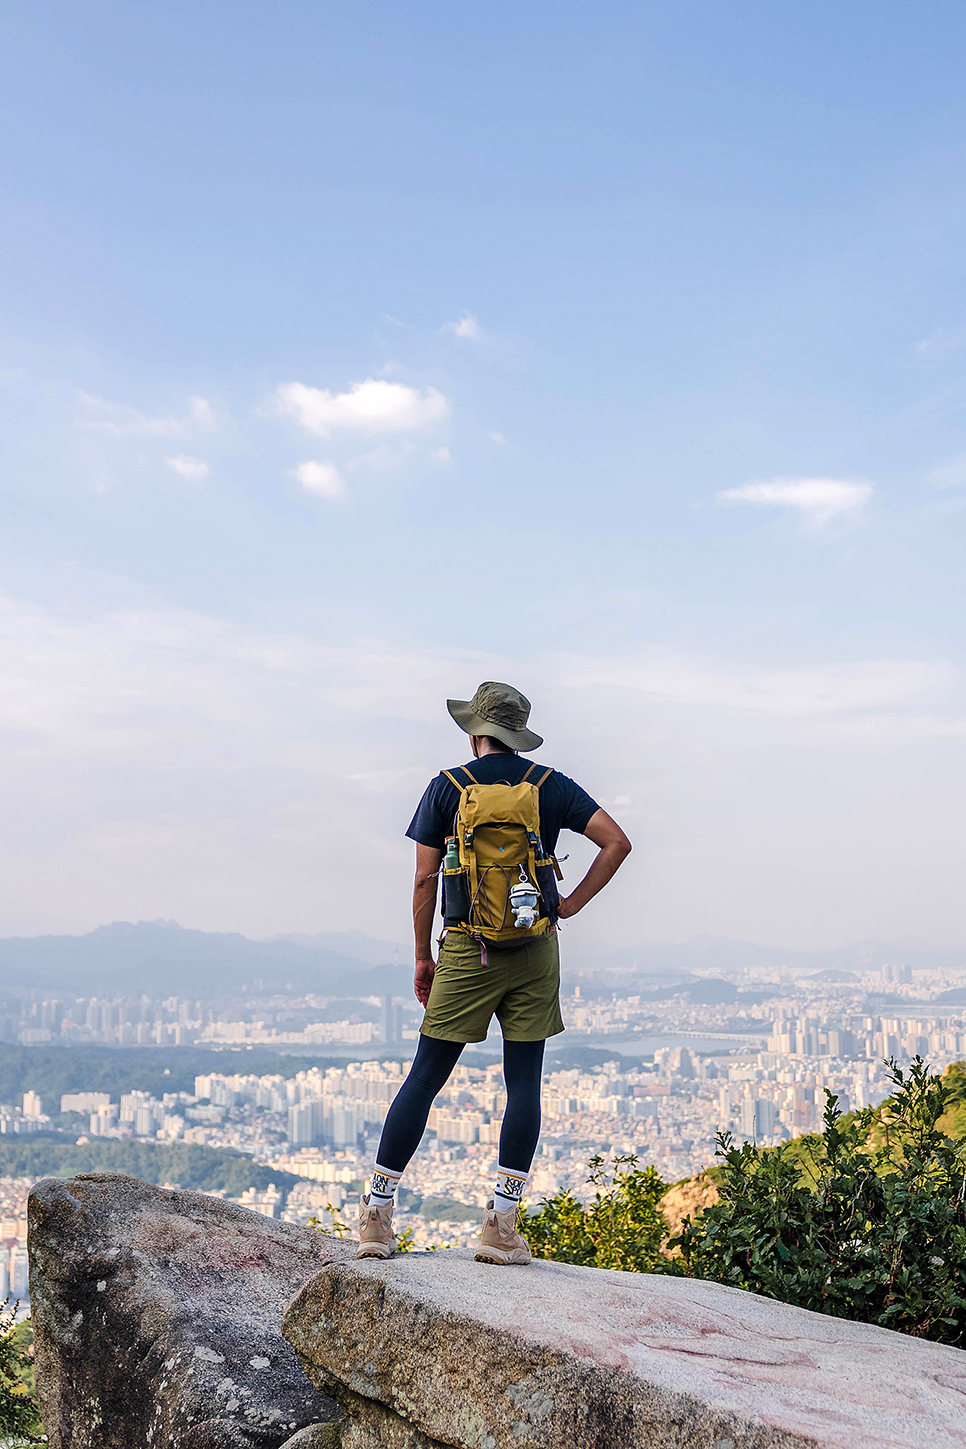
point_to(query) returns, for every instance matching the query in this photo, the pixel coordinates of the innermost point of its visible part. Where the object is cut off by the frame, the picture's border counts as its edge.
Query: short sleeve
(429, 826)
(578, 805)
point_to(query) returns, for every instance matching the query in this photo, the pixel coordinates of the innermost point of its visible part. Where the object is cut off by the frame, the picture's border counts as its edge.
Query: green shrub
(622, 1226)
(867, 1222)
(19, 1414)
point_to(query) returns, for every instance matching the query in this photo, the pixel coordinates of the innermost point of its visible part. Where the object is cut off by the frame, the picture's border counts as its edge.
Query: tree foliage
(873, 1228)
(202, 1169)
(19, 1414)
(865, 1220)
(621, 1227)
(53, 1070)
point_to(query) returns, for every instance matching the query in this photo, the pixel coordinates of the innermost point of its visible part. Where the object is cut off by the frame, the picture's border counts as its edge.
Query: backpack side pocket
(456, 898)
(547, 886)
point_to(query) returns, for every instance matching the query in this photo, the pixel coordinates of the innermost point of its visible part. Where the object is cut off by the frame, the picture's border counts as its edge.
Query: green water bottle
(451, 860)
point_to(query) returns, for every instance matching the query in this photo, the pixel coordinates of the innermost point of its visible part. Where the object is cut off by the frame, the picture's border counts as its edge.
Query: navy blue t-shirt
(563, 804)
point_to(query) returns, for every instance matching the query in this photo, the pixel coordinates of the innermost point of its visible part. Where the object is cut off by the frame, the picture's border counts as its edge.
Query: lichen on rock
(157, 1318)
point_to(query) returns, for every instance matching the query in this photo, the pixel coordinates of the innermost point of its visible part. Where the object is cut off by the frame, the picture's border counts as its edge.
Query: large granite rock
(435, 1349)
(157, 1319)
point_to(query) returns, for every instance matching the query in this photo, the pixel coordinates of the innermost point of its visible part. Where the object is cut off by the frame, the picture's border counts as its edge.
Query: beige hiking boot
(499, 1241)
(376, 1237)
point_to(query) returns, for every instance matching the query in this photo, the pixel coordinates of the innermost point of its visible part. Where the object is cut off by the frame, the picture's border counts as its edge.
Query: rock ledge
(435, 1349)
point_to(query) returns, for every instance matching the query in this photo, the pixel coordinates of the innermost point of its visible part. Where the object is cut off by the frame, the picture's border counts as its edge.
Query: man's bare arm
(428, 862)
(614, 850)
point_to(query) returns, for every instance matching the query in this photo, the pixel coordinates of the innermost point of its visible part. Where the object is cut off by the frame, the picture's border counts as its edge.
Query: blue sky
(350, 357)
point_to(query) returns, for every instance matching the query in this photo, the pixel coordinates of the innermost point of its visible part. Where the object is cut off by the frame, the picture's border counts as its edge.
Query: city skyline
(295, 1086)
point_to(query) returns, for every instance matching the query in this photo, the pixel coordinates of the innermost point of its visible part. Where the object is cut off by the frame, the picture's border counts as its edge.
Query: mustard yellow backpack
(495, 862)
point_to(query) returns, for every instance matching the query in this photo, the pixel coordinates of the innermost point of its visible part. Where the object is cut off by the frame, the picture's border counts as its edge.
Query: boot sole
(501, 1259)
(375, 1251)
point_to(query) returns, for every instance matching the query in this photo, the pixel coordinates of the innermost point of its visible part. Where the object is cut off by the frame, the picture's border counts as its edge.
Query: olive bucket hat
(497, 710)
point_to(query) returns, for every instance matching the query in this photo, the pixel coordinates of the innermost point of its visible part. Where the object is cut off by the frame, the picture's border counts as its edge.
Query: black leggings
(435, 1059)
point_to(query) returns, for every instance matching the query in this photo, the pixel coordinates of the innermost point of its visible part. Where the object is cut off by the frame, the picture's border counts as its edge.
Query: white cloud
(195, 470)
(114, 421)
(442, 455)
(498, 438)
(319, 477)
(373, 406)
(817, 500)
(833, 689)
(467, 326)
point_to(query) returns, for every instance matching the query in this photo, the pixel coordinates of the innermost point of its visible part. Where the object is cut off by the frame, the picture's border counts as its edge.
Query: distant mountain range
(125, 958)
(352, 943)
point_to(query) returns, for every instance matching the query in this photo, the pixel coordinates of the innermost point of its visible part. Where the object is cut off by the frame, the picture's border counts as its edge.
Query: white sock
(509, 1189)
(383, 1184)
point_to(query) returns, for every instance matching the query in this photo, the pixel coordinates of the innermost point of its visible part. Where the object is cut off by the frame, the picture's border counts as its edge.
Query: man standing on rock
(490, 829)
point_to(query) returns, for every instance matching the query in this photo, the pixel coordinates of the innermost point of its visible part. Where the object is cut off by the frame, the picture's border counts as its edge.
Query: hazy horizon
(346, 362)
(372, 950)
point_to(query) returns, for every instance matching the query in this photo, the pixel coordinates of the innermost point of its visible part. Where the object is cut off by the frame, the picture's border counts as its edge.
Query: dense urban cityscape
(646, 1070)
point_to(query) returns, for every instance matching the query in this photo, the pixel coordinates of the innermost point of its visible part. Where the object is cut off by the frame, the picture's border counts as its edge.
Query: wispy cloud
(941, 343)
(816, 500)
(373, 406)
(832, 689)
(117, 421)
(194, 470)
(203, 764)
(224, 774)
(468, 326)
(951, 475)
(321, 477)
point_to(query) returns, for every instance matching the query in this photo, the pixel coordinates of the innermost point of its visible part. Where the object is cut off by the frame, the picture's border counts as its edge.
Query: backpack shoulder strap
(453, 780)
(543, 778)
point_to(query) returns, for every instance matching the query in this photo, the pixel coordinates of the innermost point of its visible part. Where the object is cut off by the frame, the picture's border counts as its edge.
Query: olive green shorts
(521, 985)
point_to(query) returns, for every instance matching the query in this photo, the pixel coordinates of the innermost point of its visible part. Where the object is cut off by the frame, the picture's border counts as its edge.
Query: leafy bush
(19, 1415)
(866, 1220)
(622, 1227)
(868, 1223)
